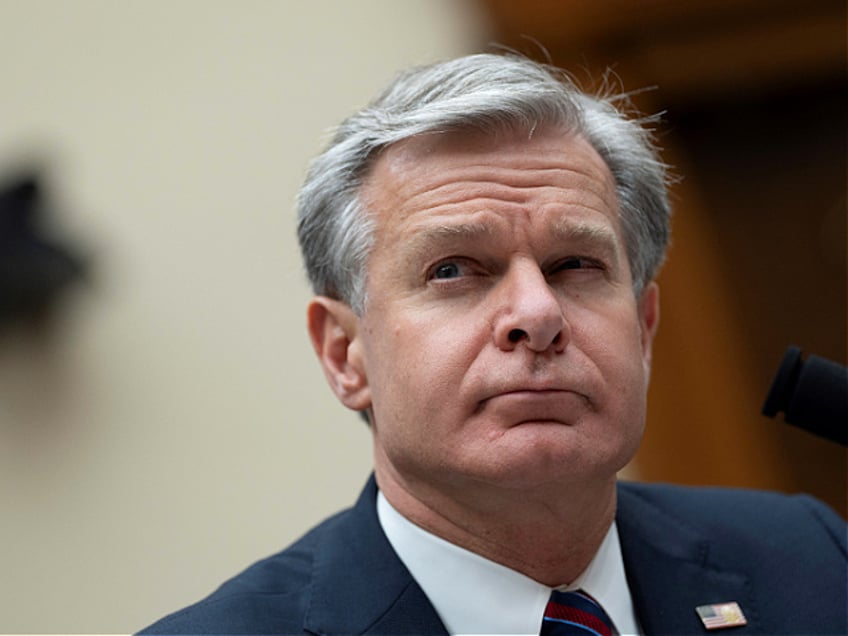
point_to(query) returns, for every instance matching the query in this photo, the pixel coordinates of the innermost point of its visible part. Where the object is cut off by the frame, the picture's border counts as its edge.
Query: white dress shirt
(473, 595)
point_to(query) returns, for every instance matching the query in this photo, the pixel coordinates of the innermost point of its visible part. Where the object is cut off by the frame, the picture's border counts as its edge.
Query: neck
(549, 533)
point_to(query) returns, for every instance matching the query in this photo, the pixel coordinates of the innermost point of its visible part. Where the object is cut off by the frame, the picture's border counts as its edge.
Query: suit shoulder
(270, 596)
(739, 513)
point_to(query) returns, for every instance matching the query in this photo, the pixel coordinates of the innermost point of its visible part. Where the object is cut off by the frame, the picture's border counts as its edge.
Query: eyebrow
(596, 237)
(590, 236)
(424, 241)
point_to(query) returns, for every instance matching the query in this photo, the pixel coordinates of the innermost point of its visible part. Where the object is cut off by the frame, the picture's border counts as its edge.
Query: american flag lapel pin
(721, 615)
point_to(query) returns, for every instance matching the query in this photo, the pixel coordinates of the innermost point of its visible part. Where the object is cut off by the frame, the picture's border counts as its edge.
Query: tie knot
(575, 614)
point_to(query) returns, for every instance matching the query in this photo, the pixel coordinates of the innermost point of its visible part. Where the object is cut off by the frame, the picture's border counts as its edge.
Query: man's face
(501, 342)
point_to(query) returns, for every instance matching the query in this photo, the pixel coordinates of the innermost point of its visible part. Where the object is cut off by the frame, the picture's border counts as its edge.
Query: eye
(444, 271)
(451, 269)
(578, 262)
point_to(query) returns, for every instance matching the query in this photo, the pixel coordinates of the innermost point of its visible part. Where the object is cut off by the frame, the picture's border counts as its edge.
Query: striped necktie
(575, 614)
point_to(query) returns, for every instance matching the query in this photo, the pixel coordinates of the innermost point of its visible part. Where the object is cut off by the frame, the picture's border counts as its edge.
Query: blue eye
(446, 270)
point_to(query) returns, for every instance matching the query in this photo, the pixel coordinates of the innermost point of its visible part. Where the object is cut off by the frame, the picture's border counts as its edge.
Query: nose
(529, 313)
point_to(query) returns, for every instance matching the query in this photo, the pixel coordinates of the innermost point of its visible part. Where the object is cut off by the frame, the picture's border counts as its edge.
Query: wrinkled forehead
(431, 159)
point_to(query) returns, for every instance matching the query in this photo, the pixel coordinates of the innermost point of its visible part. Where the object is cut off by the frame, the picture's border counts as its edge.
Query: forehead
(464, 172)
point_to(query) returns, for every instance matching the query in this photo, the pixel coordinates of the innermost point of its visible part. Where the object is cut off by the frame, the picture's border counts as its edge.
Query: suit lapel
(359, 586)
(669, 569)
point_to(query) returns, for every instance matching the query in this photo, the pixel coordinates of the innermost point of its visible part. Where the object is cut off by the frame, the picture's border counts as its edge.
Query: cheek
(417, 368)
(613, 341)
(628, 384)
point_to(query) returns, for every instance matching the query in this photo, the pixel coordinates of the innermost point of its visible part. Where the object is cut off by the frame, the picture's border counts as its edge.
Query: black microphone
(812, 394)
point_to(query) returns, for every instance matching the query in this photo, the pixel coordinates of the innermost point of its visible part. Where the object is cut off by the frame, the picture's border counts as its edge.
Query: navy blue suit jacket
(783, 559)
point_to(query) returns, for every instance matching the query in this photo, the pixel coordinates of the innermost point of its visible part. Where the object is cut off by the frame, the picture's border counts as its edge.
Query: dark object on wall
(812, 394)
(34, 268)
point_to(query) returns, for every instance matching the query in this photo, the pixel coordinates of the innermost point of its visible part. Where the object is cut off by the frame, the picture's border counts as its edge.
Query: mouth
(530, 404)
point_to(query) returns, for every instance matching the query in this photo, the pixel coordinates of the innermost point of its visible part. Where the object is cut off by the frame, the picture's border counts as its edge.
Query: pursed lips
(534, 402)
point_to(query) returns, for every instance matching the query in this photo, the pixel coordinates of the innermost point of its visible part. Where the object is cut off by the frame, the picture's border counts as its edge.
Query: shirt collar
(473, 595)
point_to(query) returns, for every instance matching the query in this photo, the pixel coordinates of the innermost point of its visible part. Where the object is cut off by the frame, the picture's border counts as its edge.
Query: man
(483, 241)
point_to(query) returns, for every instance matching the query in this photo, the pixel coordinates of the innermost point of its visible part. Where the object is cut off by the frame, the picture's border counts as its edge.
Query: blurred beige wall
(173, 426)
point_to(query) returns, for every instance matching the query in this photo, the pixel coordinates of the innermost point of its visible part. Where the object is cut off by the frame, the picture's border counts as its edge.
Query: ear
(649, 320)
(334, 329)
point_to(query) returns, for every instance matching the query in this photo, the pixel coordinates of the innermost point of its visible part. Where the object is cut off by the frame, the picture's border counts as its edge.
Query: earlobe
(335, 333)
(649, 320)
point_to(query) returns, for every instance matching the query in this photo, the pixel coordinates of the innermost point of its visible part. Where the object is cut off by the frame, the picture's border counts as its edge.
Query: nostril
(515, 335)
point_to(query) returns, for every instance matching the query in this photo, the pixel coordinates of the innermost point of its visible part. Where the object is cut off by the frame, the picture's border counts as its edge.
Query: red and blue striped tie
(575, 614)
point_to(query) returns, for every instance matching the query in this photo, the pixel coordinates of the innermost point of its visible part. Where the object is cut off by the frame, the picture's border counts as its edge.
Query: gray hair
(484, 92)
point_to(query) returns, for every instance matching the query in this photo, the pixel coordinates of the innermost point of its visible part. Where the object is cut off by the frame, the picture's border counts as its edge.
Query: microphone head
(812, 395)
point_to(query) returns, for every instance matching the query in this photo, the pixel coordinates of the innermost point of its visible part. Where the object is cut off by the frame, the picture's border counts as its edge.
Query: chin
(553, 466)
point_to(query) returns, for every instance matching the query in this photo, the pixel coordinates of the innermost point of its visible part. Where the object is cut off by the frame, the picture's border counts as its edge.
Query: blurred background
(163, 422)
